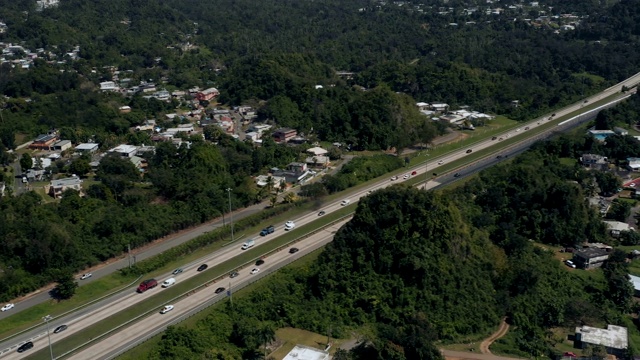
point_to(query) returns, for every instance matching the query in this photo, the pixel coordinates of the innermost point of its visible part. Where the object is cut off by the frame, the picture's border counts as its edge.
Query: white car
(8, 307)
(166, 309)
(289, 225)
(393, 178)
(406, 176)
(570, 264)
(255, 271)
(345, 202)
(440, 162)
(86, 276)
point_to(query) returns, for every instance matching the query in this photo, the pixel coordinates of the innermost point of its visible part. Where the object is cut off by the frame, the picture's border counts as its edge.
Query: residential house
(294, 173)
(621, 131)
(208, 94)
(317, 161)
(57, 187)
(62, 145)
(284, 134)
(590, 258)
(302, 352)
(34, 175)
(276, 181)
(139, 163)
(44, 142)
(87, 147)
(593, 160)
(633, 163)
(108, 86)
(635, 282)
(422, 106)
(124, 109)
(317, 151)
(614, 338)
(125, 150)
(440, 107)
(615, 227)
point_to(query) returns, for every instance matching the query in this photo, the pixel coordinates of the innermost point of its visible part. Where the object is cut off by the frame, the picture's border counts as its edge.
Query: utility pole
(426, 171)
(230, 213)
(129, 254)
(47, 319)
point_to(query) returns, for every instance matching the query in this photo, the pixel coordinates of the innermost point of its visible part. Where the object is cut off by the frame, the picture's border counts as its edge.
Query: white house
(614, 338)
(302, 352)
(125, 150)
(615, 227)
(108, 86)
(87, 147)
(317, 151)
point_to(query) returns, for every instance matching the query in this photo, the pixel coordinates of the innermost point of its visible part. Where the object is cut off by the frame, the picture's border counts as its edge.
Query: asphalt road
(105, 308)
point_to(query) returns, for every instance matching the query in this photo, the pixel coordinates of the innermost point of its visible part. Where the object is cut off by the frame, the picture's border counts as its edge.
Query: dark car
(177, 271)
(293, 250)
(469, 151)
(268, 230)
(60, 328)
(233, 274)
(527, 128)
(26, 346)
(456, 175)
(219, 290)
(499, 157)
(203, 267)
(259, 262)
(493, 138)
(321, 213)
(414, 173)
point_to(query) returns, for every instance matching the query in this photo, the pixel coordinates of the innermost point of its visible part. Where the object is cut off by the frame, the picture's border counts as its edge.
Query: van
(168, 282)
(248, 244)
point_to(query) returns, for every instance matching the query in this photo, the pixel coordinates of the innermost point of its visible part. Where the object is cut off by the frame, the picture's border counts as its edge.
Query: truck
(146, 285)
(268, 230)
(248, 244)
(168, 282)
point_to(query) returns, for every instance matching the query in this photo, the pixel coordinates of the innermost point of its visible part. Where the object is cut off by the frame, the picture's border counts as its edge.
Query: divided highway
(126, 338)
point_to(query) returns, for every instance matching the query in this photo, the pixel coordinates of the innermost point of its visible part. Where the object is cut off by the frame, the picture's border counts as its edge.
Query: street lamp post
(230, 213)
(426, 172)
(47, 319)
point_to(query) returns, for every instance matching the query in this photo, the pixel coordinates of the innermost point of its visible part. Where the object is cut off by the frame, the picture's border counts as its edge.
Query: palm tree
(266, 334)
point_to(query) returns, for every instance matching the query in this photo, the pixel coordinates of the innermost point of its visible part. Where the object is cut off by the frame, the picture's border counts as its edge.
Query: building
(616, 227)
(57, 187)
(108, 86)
(621, 131)
(614, 338)
(44, 142)
(276, 181)
(302, 352)
(633, 163)
(124, 109)
(125, 150)
(590, 258)
(294, 173)
(62, 145)
(317, 151)
(284, 134)
(208, 94)
(635, 282)
(87, 147)
(593, 160)
(317, 161)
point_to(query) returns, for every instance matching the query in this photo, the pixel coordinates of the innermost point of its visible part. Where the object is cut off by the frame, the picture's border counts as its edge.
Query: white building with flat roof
(125, 150)
(614, 338)
(302, 352)
(87, 147)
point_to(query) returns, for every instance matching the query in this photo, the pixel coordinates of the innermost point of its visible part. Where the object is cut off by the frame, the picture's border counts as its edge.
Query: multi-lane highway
(128, 336)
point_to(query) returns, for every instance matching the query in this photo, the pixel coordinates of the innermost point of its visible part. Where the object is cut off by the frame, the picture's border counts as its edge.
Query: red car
(413, 173)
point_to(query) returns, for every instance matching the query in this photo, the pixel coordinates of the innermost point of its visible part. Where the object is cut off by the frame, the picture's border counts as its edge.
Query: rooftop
(635, 281)
(87, 146)
(124, 149)
(617, 225)
(590, 253)
(301, 352)
(66, 182)
(613, 336)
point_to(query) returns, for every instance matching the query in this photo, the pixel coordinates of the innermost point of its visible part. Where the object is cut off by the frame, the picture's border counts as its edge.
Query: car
(414, 173)
(259, 262)
(219, 290)
(86, 276)
(586, 101)
(500, 139)
(25, 180)
(345, 202)
(554, 114)
(406, 176)
(233, 274)
(469, 151)
(456, 175)
(203, 267)
(527, 128)
(570, 264)
(321, 213)
(289, 225)
(268, 230)
(293, 250)
(440, 162)
(177, 271)
(255, 271)
(26, 346)
(60, 328)
(493, 138)
(166, 309)
(394, 178)
(8, 307)
(518, 130)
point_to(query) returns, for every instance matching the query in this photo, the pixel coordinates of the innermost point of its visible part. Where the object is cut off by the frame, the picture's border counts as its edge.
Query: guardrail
(207, 284)
(74, 310)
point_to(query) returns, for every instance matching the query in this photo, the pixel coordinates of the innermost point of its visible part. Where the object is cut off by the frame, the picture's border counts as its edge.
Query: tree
(608, 182)
(80, 166)
(26, 162)
(266, 335)
(66, 287)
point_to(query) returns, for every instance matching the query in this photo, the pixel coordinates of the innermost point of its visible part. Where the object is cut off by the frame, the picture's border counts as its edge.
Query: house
(124, 109)
(614, 339)
(593, 160)
(439, 107)
(633, 163)
(139, 163)
(294, 173)
(590, 258)
(621, 131)
(44, 142)
(317, 161)
(208, 94)
(57, 187)
(635, 282)
(62, 145)
(34, 175)
(317, 151)
(302, 352)
(108, 86)
(422, 106)
(87, 147)
(276, 181)
(284, 134)
(125, 150)
(615, 227)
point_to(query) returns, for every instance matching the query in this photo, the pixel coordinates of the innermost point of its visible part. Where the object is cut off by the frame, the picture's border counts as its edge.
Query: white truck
(248, 244)
(168, 282)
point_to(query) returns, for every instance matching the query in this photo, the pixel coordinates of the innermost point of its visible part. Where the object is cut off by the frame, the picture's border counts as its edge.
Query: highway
(101, 310)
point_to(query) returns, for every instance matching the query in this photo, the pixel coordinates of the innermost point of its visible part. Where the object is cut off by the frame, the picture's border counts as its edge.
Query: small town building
(633, 163)
(317, 161)
(616, 227)
(317, 151)
(593, 160)
(302, 352)
(125, 150)
(208, 94)
(124, 109)
(264, 180)
(108, 86)
(621, 131)
(62, 145)
(284, 134)
(87, 147)
(614, 338)
(59, 186)
(601, 135)
(590, 258)
(44, 142)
